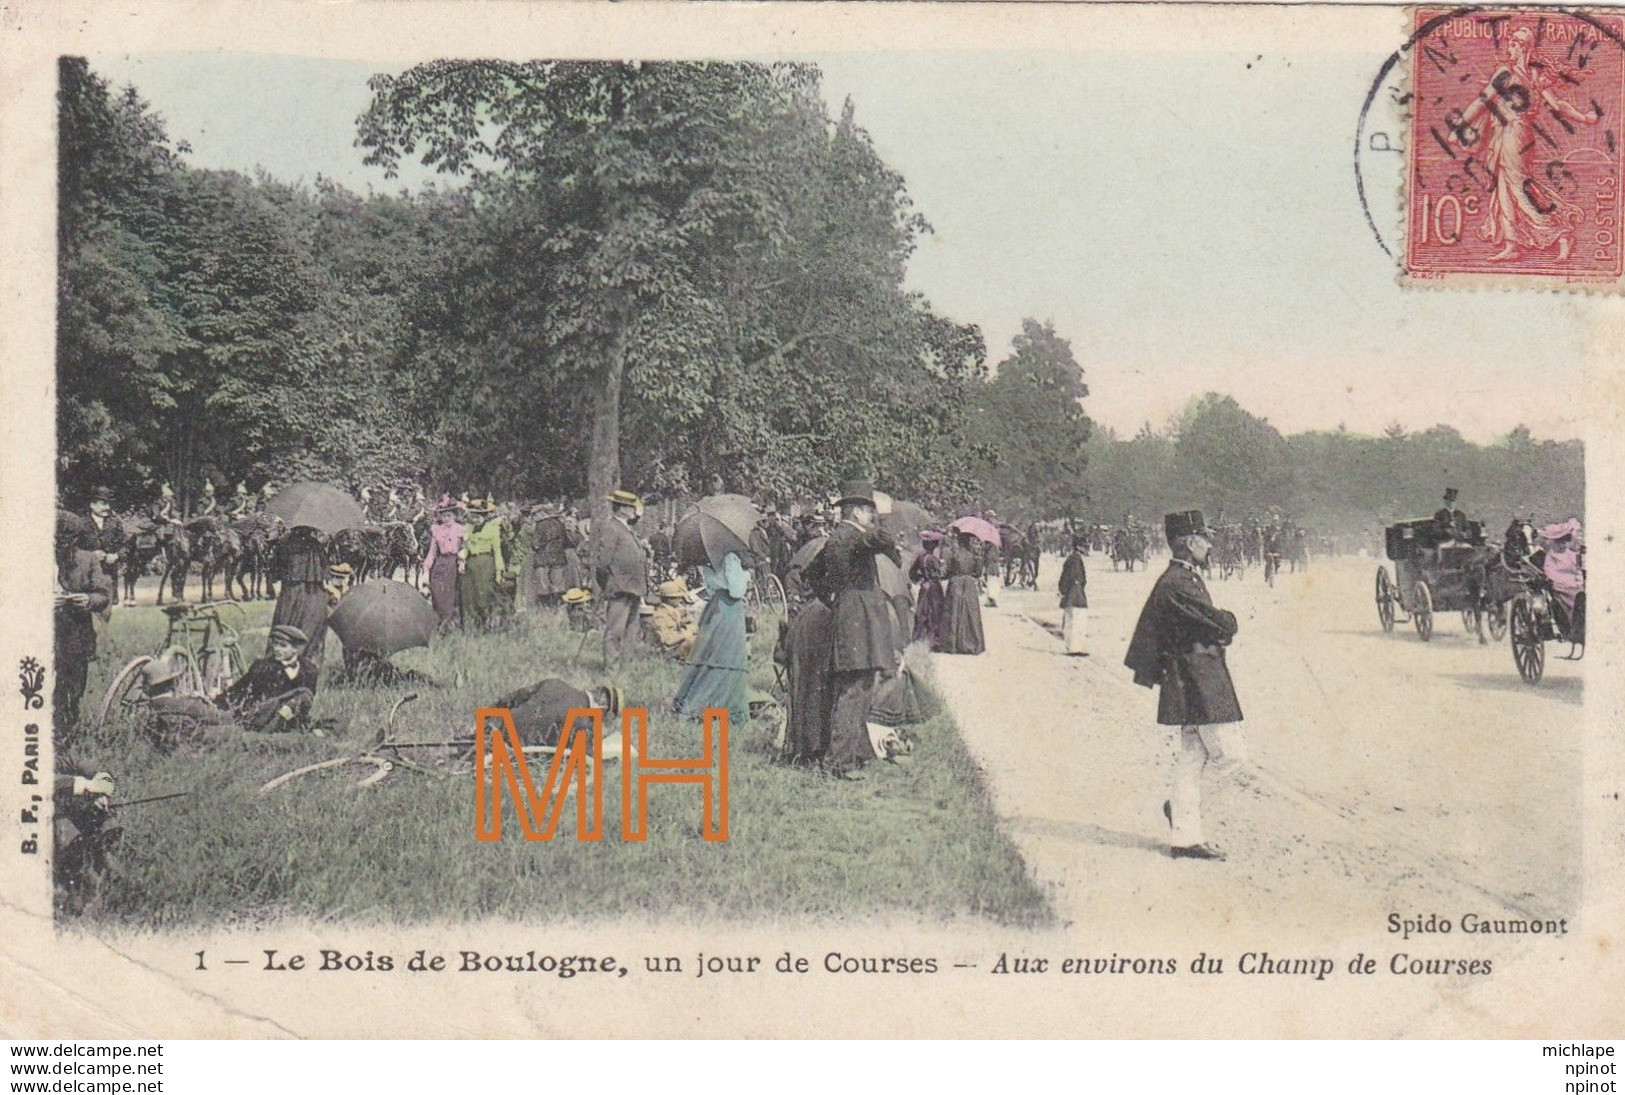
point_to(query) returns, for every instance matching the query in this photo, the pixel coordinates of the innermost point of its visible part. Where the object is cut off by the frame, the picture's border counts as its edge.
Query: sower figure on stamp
(1179, 645)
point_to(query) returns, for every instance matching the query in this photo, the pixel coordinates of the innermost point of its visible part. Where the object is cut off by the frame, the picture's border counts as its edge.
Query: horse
(215, 548)
(143, 545)
(251, 568)
(363, 548)
(400, 550)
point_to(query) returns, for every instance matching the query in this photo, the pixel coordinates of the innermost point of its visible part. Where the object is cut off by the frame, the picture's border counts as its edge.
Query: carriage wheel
(1528, 647)
(125, 693)
(1385, 599)
(1496, 616)
(1422, 612)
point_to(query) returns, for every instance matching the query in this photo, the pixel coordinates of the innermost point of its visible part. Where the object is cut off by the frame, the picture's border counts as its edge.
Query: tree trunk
(604, 457)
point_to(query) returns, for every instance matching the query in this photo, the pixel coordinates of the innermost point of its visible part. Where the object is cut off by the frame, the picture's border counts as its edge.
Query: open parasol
(893, 579)
(382, 617)
(715, 526)
(320, 506)
(906, 521)
(985, 531)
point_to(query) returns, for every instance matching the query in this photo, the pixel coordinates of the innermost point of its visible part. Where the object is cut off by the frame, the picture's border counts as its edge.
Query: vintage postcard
(810, 521)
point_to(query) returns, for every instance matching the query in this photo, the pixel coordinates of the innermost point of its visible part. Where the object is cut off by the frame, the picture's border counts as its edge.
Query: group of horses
(242, 553)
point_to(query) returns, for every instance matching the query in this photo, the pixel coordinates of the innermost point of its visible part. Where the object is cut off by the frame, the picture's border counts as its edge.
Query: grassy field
(918, 839)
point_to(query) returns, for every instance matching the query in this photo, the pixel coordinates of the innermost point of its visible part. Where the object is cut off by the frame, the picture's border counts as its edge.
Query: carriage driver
(1449, 522)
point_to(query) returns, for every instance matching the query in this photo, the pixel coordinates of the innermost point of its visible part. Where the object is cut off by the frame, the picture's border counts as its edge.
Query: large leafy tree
(693, 253)
(1028, 427)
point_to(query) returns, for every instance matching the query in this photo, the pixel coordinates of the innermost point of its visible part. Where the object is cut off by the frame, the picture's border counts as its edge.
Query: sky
(1190, 222)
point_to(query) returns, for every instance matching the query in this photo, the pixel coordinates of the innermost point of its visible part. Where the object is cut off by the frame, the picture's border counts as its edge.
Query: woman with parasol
(313, 512)
(715, 535)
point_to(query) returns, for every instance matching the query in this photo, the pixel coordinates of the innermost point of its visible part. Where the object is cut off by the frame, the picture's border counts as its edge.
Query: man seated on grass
(273, 695)
(672, 626)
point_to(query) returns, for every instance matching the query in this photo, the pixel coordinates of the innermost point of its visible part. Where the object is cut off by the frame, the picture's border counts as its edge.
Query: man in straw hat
(622, 569)
(862, 628)
(1178, 644)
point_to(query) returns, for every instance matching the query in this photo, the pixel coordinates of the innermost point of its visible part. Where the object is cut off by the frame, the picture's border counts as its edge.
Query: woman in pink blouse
(445, 541)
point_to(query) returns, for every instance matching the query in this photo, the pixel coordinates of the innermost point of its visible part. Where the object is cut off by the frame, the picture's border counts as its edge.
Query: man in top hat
(1178, 644)
(862, 635)
(622, 569)
(108, 532)
(1449, 523)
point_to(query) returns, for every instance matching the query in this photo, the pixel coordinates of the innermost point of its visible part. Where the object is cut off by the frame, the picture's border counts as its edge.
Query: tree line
(678, 277)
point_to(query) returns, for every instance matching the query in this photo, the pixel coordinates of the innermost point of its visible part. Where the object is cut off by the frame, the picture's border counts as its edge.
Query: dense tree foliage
(677, 277)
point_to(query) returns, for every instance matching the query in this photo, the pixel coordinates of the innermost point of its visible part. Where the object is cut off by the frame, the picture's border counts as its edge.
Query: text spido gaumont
(500, 767)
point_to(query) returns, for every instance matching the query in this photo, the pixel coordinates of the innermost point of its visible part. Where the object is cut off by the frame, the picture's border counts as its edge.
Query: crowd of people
(864, 593)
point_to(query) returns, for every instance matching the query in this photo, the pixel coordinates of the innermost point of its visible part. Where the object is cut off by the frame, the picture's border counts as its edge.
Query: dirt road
(1389, 775)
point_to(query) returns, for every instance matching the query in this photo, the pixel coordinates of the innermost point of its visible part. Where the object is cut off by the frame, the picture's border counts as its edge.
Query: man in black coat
(539, 711)
(109, 533)
(862, 627)
(1179, 645)
(82, 590)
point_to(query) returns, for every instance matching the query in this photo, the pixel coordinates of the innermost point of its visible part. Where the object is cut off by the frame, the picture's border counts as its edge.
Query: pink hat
(447, 502)
(1571, 527)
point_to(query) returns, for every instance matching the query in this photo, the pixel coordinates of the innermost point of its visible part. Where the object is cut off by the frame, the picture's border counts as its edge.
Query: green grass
(919, 839)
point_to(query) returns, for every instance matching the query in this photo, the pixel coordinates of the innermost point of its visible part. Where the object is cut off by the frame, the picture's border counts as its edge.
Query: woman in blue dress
(718, 674)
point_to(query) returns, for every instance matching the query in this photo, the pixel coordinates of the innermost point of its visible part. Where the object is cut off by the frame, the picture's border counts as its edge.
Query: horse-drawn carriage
(1539, 615)
(1436, 572)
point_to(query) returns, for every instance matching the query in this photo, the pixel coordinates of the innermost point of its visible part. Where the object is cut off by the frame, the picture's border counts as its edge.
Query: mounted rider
(209, 506)
(241, 504)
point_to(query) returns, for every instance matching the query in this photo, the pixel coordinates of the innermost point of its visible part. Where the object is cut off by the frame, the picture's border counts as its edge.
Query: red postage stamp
(1516, 124)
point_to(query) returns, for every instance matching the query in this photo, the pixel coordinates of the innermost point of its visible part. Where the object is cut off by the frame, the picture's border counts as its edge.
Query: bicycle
(199, 642)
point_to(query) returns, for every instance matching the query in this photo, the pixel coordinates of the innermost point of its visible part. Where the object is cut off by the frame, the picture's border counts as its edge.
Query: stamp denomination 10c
(1516, 125)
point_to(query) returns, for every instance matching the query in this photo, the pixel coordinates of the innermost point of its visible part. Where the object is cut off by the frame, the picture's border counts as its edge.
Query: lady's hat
(577, 596)
(479, 506)
(623, 498)
(931, 536)
(341, 570)
(447, 504)
(1187, 522)
(856, 492)
(289, 634)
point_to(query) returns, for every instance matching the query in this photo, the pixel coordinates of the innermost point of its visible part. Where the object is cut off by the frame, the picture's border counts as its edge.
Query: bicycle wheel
(126, 691)
(774, 597)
